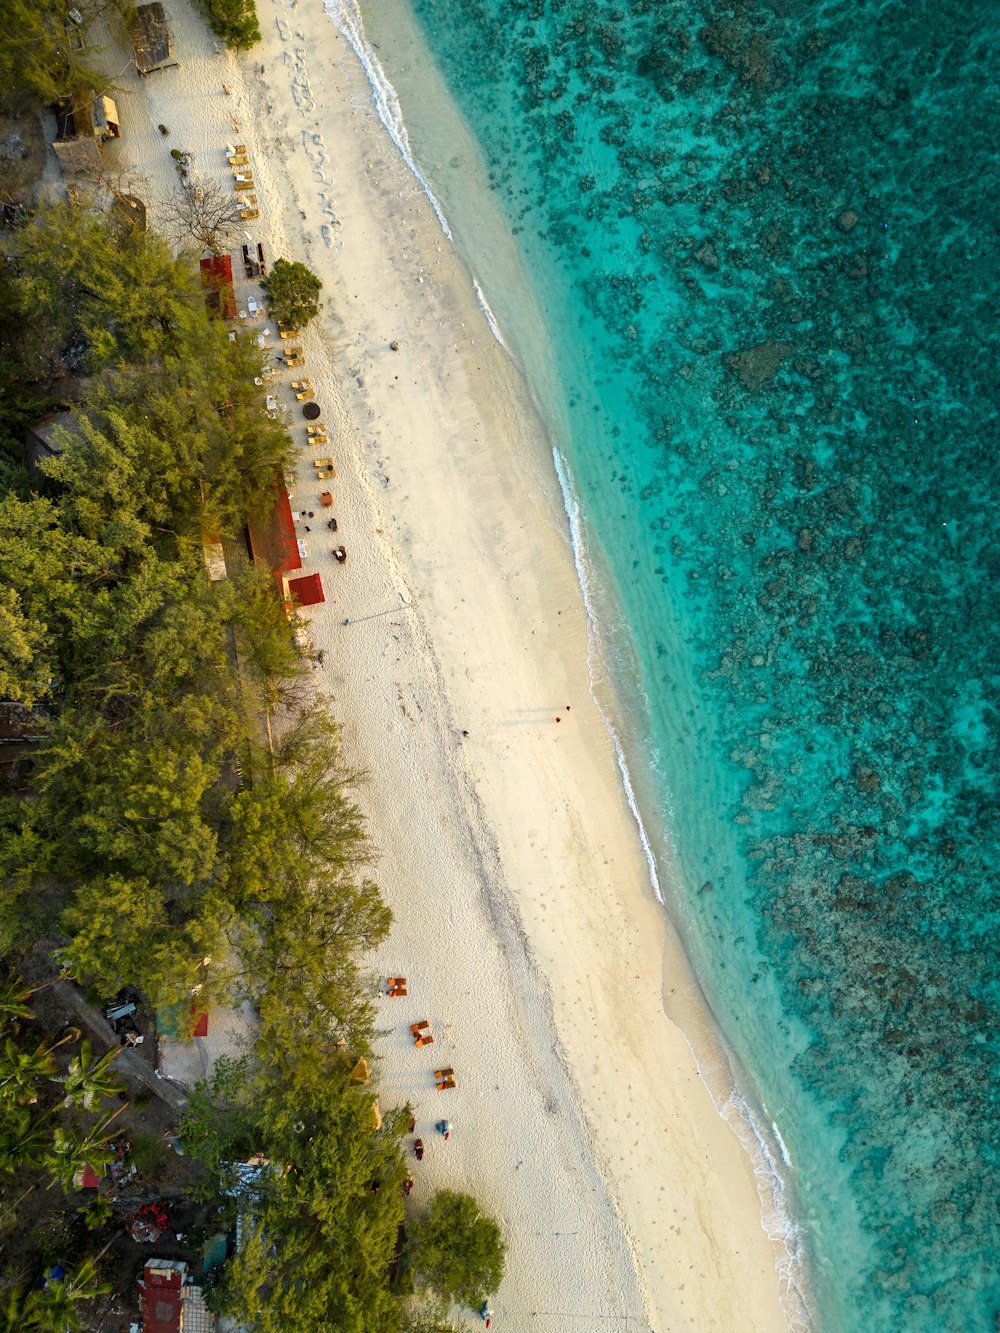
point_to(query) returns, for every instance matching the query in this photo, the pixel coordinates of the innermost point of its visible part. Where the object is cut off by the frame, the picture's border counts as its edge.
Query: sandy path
(524, 919)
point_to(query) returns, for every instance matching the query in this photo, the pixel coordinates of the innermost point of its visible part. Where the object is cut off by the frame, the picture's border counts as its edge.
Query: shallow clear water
(763, 240)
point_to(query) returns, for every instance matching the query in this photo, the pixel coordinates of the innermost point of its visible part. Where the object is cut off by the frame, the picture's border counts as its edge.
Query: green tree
(456, 1250)
(36, 59)
(88, 1081)
(74, 1148)
(23, 1141)
(56, 1309)
(235, 21)
(292, 293)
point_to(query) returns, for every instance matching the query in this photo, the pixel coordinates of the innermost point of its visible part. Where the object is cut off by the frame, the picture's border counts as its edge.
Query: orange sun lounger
(427, 1040)
(444, 1084)
(419, 1027)
(444, 1073)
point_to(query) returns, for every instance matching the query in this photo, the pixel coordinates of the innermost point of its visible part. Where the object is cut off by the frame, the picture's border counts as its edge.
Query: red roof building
(217, 279)
(161, 1299)
(271, 538)
(307, 590)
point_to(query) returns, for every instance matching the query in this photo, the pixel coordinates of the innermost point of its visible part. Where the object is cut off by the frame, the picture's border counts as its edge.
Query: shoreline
(524, 935)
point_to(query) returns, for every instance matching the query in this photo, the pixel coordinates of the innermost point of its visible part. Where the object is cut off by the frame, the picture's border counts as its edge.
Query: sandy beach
(524, 918)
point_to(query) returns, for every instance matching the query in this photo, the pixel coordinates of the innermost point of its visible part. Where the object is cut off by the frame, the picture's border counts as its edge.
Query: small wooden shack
(85, 122)
(150, 38)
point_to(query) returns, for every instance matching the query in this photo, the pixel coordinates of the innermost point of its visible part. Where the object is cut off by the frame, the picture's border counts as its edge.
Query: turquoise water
(764, 241)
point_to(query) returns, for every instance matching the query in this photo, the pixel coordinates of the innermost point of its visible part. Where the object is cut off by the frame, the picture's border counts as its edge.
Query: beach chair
(392, 982)
(444, 1084)
(315, 430)
(395, 991)
(244, 185)
(317, 441)
(325, 476)
(240, 148)
(302, 386)
(288, 333)
(305, 393)
(294, 360)
(444, 1073)
(237, 162)
(246, 201)
(322, 462)
(419, 1027)
(249, 214)
(425, 1041)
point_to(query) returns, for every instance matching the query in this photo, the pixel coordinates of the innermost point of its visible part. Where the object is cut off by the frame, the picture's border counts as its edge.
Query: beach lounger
(294, 360)
(395, 981)
(328, 475)
(444, 1084)
(317, 441)
(306, 393)
(419, 1027)
(444, 1073)
(288, 333)
(396, 991)
(322, 462)
(237, 162)
(301, 386)
(244, 184)
(248, 214)
(425, 1041)
(315, 430)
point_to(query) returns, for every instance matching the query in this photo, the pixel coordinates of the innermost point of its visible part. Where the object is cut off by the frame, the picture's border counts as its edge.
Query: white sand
(524, 919)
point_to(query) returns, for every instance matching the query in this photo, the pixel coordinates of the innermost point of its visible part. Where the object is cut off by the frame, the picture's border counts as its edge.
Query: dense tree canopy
(292, 292)
(456, 1250)
(185, 798)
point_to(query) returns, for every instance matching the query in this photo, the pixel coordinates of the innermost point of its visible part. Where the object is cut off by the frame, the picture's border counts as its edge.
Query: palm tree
(88, 1084)
(14, 998)
(74, 1148)
(12, 1311)
(22, 1141)
(54, 1309)
(20, 1071)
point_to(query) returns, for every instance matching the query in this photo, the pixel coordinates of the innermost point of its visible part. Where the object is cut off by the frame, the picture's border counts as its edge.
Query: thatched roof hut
(150, 38)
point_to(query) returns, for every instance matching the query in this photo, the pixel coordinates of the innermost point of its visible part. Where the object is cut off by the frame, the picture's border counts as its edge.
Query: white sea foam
(776, 1216)
(491, 319)
(572, 507)
(346, 17)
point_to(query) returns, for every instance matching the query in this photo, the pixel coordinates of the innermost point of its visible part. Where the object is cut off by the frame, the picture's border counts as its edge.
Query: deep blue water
(765, 237)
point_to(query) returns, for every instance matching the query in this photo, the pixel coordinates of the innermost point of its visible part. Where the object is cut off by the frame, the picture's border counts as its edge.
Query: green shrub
(235, 21)
(292, 293)
(456, 1250)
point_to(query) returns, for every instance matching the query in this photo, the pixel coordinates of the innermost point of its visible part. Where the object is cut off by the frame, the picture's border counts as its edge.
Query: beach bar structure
(307, 590)
(271, 539)
(150, 38)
